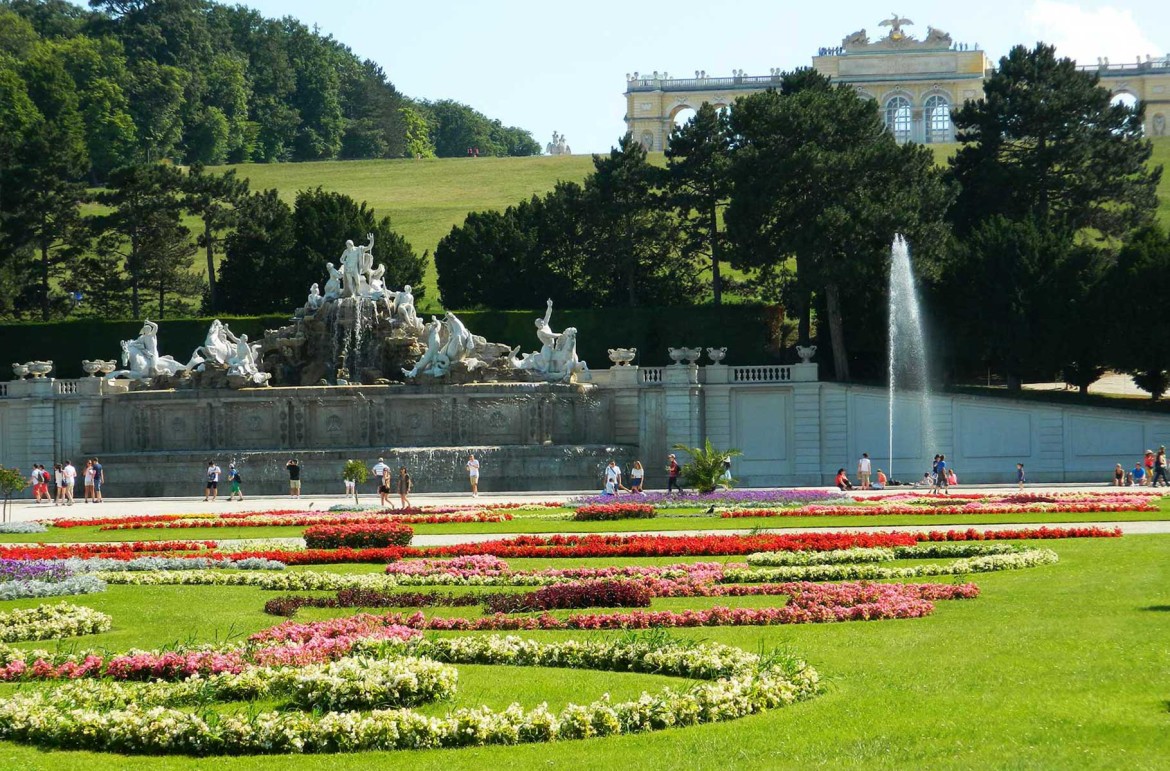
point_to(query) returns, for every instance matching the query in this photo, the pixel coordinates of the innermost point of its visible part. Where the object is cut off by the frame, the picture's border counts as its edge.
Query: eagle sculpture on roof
(895, 23)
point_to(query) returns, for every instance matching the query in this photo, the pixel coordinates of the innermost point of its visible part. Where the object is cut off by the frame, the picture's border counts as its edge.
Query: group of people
(614, 477)
(63, 480)
(865, 477)
(1148, 471)
(384, 477)
(234, 478)
(940, 478)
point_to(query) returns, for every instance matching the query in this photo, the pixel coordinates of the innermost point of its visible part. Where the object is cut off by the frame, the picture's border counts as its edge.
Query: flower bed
(51, 622)
(107, 716)
(22, 579)
(367, 536)
(368, 598)
(949, 505)
(22, 528)
(579, 594)
(869, 572)
(614, 511)
(854, 556)
(721, 498)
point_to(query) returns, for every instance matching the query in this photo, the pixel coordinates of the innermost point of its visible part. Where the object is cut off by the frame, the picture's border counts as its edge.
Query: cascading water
(907, 368)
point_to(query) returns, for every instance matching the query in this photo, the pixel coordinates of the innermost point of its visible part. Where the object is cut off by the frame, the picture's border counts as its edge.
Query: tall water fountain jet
(907, 367)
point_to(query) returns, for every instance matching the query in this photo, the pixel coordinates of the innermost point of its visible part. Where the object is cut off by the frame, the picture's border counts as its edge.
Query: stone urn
(107, 366)
(677, 355)
(39, 369)
(20, 371)
(692, 354)
(91, 368)
(806, 352)
(717, 355)
(621, 357)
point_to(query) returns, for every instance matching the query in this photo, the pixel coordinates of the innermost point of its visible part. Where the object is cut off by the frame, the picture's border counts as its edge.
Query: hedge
(746, 331)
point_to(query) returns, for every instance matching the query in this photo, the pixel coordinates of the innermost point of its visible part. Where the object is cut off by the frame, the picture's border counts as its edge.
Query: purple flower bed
(736, 498)
(49, 571)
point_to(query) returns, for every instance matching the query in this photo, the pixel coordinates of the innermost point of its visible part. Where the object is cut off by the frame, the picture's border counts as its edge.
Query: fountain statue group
(356, 329)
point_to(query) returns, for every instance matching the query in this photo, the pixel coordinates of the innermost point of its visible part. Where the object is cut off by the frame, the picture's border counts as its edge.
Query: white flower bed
(20, 590)
(862, 572)
(22, 528)
(51, 622)
(143, 718)
(138, 564)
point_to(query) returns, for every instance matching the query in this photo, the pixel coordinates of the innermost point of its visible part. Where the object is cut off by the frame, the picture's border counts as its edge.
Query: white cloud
(1085, 34)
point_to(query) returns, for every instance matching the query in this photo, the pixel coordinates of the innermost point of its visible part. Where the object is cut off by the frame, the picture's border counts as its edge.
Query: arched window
(937, 115)
(898, 118)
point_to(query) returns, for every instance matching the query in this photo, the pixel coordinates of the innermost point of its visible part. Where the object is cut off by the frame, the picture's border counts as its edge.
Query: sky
(561, 66)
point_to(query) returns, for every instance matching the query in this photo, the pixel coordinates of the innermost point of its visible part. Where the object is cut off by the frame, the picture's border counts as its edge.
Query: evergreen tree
(212, 198)
(1133, 329)
(262, 244)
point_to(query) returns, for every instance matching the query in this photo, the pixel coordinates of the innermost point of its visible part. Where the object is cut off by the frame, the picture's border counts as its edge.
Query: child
(1020, 475)
(235, 479)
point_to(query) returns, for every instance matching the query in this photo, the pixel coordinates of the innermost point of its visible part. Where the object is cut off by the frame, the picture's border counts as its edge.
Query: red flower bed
(302, 519)
(614, 511)
(366, 536)
(1020, 534)
(127, 550)
(345, 554)
(582, 594)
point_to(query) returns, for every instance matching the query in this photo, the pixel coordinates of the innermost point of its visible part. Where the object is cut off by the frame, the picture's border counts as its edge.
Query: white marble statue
(430, 363)
(404, 309)
(449, 342)
(141, 359)
(377, 286)
(315, 299)
(217, 346)
(558, 146)
(354, 268)
(333, 285)
(557, 358)
(243, 362)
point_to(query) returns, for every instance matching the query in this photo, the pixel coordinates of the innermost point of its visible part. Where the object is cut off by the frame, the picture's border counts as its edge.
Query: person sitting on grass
(842, 481)
(880, 482)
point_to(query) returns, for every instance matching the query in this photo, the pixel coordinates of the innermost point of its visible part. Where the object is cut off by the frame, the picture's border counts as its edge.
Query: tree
(418, 140)
(1046, 142)
(98, 67)
(698, 164)
(212, 198)
(1136, 288)
(817, 177)
(12, 482)
(262, 244)
(156, 101)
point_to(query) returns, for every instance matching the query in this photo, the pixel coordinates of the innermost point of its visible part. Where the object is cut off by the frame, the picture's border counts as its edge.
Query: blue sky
(561, 66)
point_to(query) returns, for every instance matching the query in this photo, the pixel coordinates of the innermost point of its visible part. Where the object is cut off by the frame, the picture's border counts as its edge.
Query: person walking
(294, 478)
(211, 491)
(34, 481)
(941, 480)
(864, 467)
(87, 478)
(1159, 467)
(99, 477)
(672, 472)
(473, 475)
(404, 485)
(377, 471)
(384, 487)
(235, 480)
(613, 477)
(59, 484)
(637, 477)
(69, 473)
(1020, 476)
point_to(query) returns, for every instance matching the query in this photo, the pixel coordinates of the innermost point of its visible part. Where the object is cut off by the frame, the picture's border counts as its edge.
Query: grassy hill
(426, 198)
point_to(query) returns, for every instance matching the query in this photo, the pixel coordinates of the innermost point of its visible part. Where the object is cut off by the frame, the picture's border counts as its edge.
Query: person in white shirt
(88, 477)
(473, 475)
(69, 475)
(864, 467)
(213, 474)
(613, 478)
(378, 472)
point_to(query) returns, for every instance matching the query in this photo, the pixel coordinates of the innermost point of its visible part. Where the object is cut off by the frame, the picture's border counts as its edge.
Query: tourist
(34, 481)
(613, 477)
(45, 477)
(1138, 474)
(637, 477)
(294, 478)
(58, 484)
(934, 474)
(1118, 476)
(69, 473)
(404, 487)
(727, 470)
(952, 478)
(1159, 467)
(234, 478)
(473, 475)
(926, 481)
(211, 491)
(842, 481)
(863, 470)
(378, 470)
(672, 472)
(99, 478)
(940, 476)
(384, 487)
(1149, 461)
(1020, 476)
(880, 484)
(87, 478)
(350, 485)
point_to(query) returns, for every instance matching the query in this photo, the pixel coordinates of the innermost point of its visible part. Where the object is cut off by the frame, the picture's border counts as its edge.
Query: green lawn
(1063, 666)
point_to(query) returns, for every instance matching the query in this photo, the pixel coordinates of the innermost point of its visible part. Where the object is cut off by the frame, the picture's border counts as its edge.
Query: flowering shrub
(720, 498)
(360, 536)
(614, 511)
(51, 622)
(579, 594)
(33, 570)
(100, 564)
(116, 717)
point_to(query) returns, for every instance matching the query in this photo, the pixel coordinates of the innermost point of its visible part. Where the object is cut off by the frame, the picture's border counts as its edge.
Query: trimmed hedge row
(746, 331)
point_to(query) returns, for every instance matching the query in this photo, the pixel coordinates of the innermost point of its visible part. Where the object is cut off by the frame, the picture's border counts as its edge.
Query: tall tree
(698, 165)
(212, 198)
(262, 244)
(817, 178)
(1046, 142)
(1133, 330)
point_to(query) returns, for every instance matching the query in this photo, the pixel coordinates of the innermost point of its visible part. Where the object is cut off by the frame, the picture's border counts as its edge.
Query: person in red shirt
(672, 472)
(842, 481)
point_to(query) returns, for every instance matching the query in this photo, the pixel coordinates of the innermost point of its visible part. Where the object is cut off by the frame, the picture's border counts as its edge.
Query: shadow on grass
(1157, 607)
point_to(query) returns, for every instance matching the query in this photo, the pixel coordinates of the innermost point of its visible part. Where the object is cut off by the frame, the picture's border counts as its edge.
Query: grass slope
(1053, 667)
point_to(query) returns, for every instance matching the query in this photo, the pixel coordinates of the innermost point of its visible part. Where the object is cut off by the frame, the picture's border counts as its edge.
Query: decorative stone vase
(717, 355)
(692, 354)
(91, 368)
(39, 369)
(677, 355)
(806, 352)
(20, 371)
(107, 366)
(621, 357)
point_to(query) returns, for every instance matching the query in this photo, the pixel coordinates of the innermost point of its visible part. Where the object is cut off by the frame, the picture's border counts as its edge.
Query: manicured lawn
(1056, 667)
